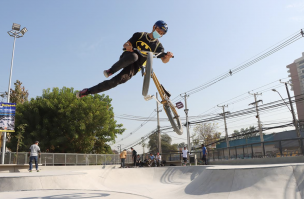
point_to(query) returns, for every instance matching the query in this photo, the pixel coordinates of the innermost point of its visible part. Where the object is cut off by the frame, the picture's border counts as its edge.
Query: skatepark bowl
(279, 181)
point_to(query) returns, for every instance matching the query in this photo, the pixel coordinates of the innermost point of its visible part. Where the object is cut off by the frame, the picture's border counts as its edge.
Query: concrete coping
(14, 165)
(257, 166)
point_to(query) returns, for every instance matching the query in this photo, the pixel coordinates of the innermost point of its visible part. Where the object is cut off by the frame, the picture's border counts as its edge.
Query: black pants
(204, 159)
(127, 61)
(123, 162)
(140, 164)
(135, 161)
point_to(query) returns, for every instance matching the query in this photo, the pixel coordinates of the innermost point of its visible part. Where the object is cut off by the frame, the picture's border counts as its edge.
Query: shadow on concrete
(71, 195)
(79, 194)
(263, 182)
(298, 172)
(181, 175)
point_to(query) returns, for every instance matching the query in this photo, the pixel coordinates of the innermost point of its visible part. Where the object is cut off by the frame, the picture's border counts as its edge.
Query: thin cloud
(297, 19)
(296, 5)
(93, 46)
(86, 48)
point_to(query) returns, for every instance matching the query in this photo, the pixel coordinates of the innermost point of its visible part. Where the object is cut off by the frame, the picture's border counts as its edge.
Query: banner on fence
(7, 117)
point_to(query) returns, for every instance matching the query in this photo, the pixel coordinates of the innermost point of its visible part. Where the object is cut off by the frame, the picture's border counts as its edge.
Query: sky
(70, 43)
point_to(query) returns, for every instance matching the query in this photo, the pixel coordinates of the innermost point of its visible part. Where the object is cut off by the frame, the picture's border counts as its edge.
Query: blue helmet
(162, 25)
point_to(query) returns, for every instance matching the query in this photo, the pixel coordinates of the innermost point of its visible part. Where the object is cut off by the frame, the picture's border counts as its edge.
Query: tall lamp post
(16, 33)
(295, 121)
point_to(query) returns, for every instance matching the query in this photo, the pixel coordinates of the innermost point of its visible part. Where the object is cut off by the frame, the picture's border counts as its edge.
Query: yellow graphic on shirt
(140, 45)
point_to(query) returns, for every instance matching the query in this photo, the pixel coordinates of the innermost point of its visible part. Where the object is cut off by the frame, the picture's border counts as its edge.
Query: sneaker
(37, 170)
(107, 73)
(82, 93)
(30, 170)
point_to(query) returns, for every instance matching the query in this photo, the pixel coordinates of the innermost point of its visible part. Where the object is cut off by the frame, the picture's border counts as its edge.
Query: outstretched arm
(167, 57)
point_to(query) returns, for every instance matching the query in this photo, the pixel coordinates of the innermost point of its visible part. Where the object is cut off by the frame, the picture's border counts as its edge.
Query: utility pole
(158, 127)
(255, 103)
(187, 123)
(143, 144)
(295, 121)
(224, 115)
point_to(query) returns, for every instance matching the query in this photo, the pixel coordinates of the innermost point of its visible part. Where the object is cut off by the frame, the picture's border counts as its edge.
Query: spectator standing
(185, 155)
(204, 158)
(123, 155)
(134, 154)
(34, 153)
(158, 160)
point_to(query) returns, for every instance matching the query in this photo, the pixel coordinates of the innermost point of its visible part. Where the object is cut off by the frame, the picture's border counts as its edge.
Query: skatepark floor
(278, 181)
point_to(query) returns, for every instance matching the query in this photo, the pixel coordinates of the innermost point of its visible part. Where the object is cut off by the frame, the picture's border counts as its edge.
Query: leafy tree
(241, 134)
(165, 143)
(206, 133)
(18, 95)
(182, 145)
(19, 137)
(65, 124)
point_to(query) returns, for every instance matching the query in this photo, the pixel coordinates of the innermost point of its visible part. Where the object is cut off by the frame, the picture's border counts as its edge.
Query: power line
(289, 40)
(145, 122)
(267, 106)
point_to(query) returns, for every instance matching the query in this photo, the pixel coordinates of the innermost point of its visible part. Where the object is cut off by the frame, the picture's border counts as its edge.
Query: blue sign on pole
(7, 117)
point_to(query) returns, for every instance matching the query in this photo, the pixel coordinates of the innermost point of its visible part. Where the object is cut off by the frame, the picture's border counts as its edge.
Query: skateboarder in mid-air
(131, 61)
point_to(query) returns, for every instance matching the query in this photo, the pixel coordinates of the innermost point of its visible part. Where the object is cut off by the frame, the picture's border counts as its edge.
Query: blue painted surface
(270, 137)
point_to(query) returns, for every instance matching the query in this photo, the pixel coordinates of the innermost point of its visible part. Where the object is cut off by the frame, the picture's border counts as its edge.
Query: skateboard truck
(149, 97)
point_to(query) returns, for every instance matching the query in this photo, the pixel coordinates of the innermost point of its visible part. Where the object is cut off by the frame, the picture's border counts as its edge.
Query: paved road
(284, 181)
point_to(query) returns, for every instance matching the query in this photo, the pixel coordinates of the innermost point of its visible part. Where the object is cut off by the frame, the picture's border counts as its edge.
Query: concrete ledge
(295, 159)
(176, 163)
(77, 168)
(9, 168)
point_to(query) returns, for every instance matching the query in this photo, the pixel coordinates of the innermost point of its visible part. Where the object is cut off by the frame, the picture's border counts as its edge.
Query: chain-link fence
(66, 159)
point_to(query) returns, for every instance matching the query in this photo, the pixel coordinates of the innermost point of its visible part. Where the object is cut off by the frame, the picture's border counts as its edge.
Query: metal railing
(269, 149)
(66, 159)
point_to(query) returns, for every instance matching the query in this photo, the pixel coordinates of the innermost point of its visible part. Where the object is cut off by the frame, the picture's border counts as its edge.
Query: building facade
(296, 73)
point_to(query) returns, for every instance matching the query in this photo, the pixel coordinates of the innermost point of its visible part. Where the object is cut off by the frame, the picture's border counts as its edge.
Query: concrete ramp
(284, 181)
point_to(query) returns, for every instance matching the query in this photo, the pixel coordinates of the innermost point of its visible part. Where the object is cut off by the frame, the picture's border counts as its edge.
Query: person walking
(134, 154)
(34, 153)
(204, 158)
(185, 155)
(123, 155)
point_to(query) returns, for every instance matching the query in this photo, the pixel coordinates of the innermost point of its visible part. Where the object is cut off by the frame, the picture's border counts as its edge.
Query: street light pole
(158, 127)
(282, 99)
(187, 123)
(11, 72)
(16, 33)
(295, 121)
